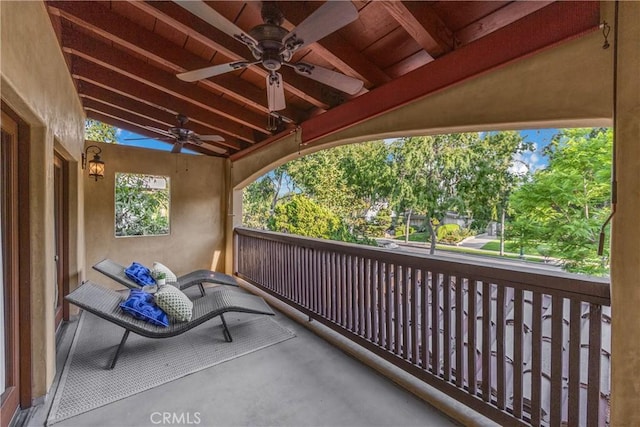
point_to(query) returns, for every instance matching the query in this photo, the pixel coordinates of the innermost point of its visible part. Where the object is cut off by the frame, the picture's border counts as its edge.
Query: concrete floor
(303, 381)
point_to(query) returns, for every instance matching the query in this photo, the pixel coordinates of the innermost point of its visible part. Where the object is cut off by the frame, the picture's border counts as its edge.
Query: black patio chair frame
(105, 303)
(115, 271)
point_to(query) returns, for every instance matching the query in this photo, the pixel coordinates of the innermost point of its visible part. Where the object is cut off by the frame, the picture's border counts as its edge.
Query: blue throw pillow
(141, 306)
(139, 274)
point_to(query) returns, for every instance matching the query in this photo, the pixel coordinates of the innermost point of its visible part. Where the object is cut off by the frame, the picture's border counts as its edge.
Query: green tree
(256, 203)
(302, 216)
(260, 198)
(431, 174)
(493, 178)
(565, 204)
(349, 181)
(95, 130)
(141, 210)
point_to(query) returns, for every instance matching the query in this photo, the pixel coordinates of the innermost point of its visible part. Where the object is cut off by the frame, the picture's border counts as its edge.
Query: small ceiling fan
(273, 46)
(181, 135)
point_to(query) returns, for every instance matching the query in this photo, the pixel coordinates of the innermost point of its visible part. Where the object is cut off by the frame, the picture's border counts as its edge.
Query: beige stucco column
(625, 266)
(42, 250)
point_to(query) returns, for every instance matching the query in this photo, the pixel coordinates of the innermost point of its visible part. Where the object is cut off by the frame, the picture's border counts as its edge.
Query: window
(142, 205)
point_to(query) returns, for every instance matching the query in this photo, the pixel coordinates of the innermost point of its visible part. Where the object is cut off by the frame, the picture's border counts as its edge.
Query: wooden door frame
(23, 264)
(63, 222)
(11, 299)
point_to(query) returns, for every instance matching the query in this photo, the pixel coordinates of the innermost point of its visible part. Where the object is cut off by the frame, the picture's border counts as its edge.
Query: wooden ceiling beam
(122, 115)
(335, 49)
(422, 23)
(183, 21)
(113, 27)
(498, 19)
(116, 60)
(91, 91)
(132, 127)
(561, 21)
(106, 78)
(163, 119)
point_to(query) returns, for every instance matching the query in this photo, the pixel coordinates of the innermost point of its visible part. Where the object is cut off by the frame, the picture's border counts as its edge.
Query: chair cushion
(139, 274)
(141, 306)
(169, 275)
(174, 302)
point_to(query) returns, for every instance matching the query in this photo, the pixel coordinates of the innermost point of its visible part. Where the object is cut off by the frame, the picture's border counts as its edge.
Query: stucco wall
(36, 85)
(566, 86)
(197, 212)
(625, 236)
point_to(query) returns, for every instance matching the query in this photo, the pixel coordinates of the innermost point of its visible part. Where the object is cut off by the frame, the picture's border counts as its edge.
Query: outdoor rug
(145, 363)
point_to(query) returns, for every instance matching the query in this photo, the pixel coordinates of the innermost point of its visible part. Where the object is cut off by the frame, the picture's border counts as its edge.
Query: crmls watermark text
(169, 418)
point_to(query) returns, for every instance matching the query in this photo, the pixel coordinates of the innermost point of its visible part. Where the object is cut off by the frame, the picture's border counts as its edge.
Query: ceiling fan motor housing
(269, 38)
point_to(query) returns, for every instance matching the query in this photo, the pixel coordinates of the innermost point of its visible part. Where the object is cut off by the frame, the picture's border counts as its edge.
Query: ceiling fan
(273, 46)
(181, 135)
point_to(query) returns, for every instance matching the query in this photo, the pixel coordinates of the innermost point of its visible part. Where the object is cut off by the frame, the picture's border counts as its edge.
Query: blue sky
(533, 160)
(122, 136)
(540, 139)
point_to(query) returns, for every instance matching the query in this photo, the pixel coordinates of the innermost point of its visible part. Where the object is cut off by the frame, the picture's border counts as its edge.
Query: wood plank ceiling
(124, 57)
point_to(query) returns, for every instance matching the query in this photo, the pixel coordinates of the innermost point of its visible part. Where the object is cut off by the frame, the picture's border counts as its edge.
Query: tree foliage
(558, 209)
(141, 210)
(302, 216)
(95, 130)
(565, 204)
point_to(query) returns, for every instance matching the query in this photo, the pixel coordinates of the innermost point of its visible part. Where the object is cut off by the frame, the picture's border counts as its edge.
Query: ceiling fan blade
(330, 17)
(275, 92)
(331, 78)
(160, 131)
(212, 17)
(177, 147)
(215, 70)
(212, 138)
(149, 137)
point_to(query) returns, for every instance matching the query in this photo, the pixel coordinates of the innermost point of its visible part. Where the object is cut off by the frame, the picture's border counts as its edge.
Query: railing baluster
(343, 292)
(486, 341)
(315, 272)
(334, 287)
(306, 297)
(415, 317)
(517, 352)
(595, 345)
(536, 349)
(328, 285)
(459, 333)
(390, 270)
(556, 360)
(424, 318)
(435, 324)
(446, 316)
(471, 333)
(500, 358)
(573, 411)
(348, 292)
(381, 304)
(398, 290)
(363, 296)
(373, 336)
(355, 297)
(406, 311)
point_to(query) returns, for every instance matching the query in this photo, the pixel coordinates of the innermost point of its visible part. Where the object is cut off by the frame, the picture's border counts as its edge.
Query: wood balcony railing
(522, 346)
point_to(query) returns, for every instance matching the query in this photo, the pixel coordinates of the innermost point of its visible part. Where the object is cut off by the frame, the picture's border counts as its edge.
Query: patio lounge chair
(105, 303)
(116, 272)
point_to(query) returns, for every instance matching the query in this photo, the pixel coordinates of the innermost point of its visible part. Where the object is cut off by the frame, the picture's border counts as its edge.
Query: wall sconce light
(96, 165)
